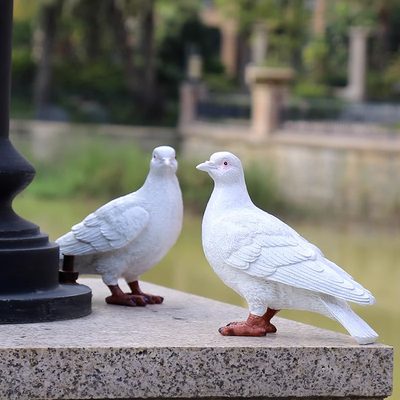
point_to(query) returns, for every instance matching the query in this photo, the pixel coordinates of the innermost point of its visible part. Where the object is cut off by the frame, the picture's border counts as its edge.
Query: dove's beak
(206, 166)
(167, 161)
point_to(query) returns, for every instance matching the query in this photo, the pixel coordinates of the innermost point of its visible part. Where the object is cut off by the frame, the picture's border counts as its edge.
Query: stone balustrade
(267, 91)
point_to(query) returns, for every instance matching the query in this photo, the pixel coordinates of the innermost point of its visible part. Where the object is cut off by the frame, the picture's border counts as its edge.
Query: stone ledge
(175, 351)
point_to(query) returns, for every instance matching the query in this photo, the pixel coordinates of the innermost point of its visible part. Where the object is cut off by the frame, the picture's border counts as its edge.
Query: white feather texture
(269, 263)
(129, 235)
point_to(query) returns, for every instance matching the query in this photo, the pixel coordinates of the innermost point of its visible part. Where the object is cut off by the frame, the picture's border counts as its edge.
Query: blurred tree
(117, 21)
(148, 52)
(49, 15)
(25, 9)
(113, 40)
(315, 52)
(122, 60)
(285, 20)
(343, 15)
(319, 18)
(94, 28)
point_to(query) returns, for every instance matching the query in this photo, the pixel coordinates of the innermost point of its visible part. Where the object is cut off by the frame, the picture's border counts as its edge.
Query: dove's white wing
(109, 228)
(265, 247)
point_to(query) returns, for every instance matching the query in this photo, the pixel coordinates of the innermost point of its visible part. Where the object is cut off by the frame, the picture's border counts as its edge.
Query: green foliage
(23, 66)
(356, 12)
(284, 48)
(95, 169)
(106, 53)
(310, 89)
(101, 59)
(21, 108)
(220, 83)
(263, 188)
(378, 86)
(285, 22)
(314, 108)
(315, 55)
(392, 74)
(261, 184)
(182, 37)
(101, 80)
(22, 34)
(196, 186)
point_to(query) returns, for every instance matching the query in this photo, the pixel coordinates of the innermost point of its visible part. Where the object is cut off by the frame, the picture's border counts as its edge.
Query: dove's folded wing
(108, 228)
(267, 248)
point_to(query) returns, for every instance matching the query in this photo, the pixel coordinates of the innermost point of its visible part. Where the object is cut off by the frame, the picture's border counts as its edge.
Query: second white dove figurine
(129, 235)
(268, 263)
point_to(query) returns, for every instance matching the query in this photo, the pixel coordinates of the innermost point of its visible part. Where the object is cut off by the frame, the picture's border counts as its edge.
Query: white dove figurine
(129, 235)
(269, 263)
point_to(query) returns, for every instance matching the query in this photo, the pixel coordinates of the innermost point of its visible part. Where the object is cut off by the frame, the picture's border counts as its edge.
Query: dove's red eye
(225, 162)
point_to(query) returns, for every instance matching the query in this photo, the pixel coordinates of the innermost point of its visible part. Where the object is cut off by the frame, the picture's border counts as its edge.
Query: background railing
(224, 106)
(323, 109)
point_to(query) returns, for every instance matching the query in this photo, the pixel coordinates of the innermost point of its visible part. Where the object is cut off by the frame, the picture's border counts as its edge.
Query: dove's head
(223, 167)
(163, 160)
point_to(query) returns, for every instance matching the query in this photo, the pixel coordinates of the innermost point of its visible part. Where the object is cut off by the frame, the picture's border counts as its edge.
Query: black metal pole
(29, 287)
(5, 65)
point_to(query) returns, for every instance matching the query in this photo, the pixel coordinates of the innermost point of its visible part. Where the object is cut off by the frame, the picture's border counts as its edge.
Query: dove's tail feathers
(356, 326)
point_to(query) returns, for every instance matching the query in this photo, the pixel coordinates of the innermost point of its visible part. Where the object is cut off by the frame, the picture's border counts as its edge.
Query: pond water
(371, 255)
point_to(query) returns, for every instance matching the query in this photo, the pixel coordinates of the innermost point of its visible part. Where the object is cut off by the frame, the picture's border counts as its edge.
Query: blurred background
(305, 92)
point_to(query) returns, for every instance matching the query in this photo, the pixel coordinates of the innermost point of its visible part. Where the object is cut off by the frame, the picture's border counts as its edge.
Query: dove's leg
(149, 298)
(253, 326)
(120, 298)
(268, 316)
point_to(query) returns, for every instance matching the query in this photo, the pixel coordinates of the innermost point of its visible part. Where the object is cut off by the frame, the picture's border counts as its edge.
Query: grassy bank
(101, 169)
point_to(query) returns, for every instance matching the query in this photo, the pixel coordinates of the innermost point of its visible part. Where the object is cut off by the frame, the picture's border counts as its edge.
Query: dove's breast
(166, 224)
(162, 231)
(165, 210)
(214, 241)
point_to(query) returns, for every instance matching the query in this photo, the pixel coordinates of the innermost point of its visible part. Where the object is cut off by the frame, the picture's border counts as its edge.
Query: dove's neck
(160, 179)
(228, 196)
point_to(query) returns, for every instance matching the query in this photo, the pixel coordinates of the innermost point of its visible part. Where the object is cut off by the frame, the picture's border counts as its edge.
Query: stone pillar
(259, 44)
(319, 20)
(212, 16)
(187, 103)
(267, 88)
(191, 90)
(195, 67)
(229, 47)
(355, 90)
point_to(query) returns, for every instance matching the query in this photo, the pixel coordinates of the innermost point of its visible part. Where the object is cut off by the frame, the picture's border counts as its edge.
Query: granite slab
(174, 350)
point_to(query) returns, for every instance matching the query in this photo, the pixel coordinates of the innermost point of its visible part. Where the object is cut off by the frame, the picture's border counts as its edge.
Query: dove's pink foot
(254, 326)
(149, 298)
(118, 297)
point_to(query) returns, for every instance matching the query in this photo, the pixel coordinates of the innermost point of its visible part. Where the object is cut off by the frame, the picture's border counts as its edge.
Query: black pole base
(62, 302)
(30, 290)
(29, 287)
